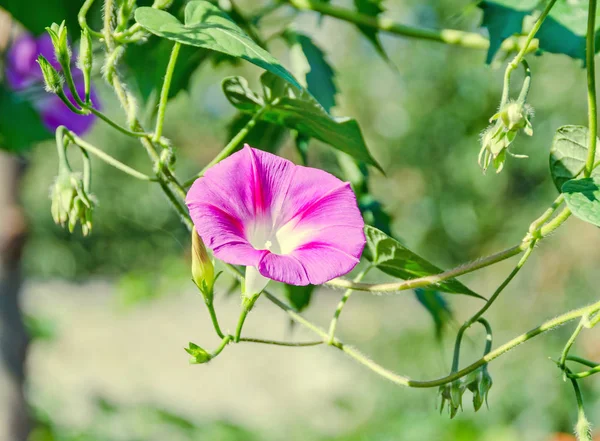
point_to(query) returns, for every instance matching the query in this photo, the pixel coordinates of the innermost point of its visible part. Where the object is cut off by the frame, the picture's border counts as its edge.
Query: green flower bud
(203, 270)
(479, 383)
(85, 57)
(52, 79)
(452, 393)
(497, 138)
(70, 203)
(62, 51)
(198, 354)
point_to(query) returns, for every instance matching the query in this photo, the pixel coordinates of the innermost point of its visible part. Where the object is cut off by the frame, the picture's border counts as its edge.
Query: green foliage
(372, 8)
(148, 76)
(583, 198)
(568, 154)
(504, 18)
(313, 69)
(563, 31)
(389, 256)
(298, 296)
(24, 128)
(208, 27)
(299, 111)
(35, 16)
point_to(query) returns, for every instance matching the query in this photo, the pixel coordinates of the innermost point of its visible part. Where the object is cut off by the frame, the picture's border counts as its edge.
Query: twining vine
(287, 98)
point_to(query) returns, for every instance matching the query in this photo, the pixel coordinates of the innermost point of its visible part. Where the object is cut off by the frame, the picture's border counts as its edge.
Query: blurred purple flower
(23, 72)
(289, 223)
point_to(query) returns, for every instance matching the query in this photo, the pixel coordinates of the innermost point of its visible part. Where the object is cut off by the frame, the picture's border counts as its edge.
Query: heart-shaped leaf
(209, 27)
(583, 198)
(298, 111)
(568, 154)
(391, 257)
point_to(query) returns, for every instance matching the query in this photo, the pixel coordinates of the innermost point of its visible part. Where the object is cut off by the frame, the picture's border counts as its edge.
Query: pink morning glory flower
(284, 222)
(23, 73)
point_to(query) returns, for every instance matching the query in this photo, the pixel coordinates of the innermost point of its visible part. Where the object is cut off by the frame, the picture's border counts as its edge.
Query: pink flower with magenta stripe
(284, 222)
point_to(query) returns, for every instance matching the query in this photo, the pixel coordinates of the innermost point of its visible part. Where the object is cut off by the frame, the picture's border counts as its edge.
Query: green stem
(281, 343)
(405, 381)
(535, 226)
(569, 344)
(109, 159)
(69, 104)
(224, 343)
(213, 318)
(582, 361)
(487, 305)
(524, 49)
(231, 146)
(164, 94)
(489, 335)
(341, 304)
(448, 36)
(247, 305)
(544, 231)
(87, 170)
(82, 19)
(591, 88)
(115, 125)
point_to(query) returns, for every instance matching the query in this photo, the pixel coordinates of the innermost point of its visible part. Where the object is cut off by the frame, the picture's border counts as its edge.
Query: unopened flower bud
(62, 51)
(52, 79)
(71, 204)
(198, 354)
(496, 139)
(479, 383)
(85, 57)
(452, 393)
(203, 270)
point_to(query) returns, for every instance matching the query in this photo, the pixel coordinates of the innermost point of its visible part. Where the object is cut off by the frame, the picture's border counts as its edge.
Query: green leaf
(301, 112)
(437, 306)
(298, 296)
(503, 19)
(372, 8)
(209, 27)
(565, 28)
(391, 257)
(24, 128)
(583, 198)
(563, 31)
(313, 69)
(35, 15)
(568, 154)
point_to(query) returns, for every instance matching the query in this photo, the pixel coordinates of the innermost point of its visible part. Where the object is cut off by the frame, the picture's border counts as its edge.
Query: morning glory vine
(260, 217)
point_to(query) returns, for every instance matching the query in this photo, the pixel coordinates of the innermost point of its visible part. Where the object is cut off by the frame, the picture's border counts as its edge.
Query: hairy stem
(591, 88)
(342, 303)
(519, 57)
(108, 159)
(281, 343)
(455, 37)
(487, 305)
(164, 93)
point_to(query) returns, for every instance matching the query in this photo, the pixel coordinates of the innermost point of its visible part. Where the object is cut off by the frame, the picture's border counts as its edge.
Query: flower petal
(285, 269)
(21, 66)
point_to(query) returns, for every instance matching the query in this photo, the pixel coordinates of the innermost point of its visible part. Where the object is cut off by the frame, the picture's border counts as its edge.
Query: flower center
(263, 235)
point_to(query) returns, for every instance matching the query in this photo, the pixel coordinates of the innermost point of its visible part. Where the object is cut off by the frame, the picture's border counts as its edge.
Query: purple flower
(23, 72)
(285, 222)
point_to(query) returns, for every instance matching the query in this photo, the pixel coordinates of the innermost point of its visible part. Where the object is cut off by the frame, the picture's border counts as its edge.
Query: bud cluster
(71, 203)
(497, 138)
(478, 383)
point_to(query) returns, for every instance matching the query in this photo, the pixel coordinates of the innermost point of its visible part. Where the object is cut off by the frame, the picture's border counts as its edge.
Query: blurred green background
(113, 311)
